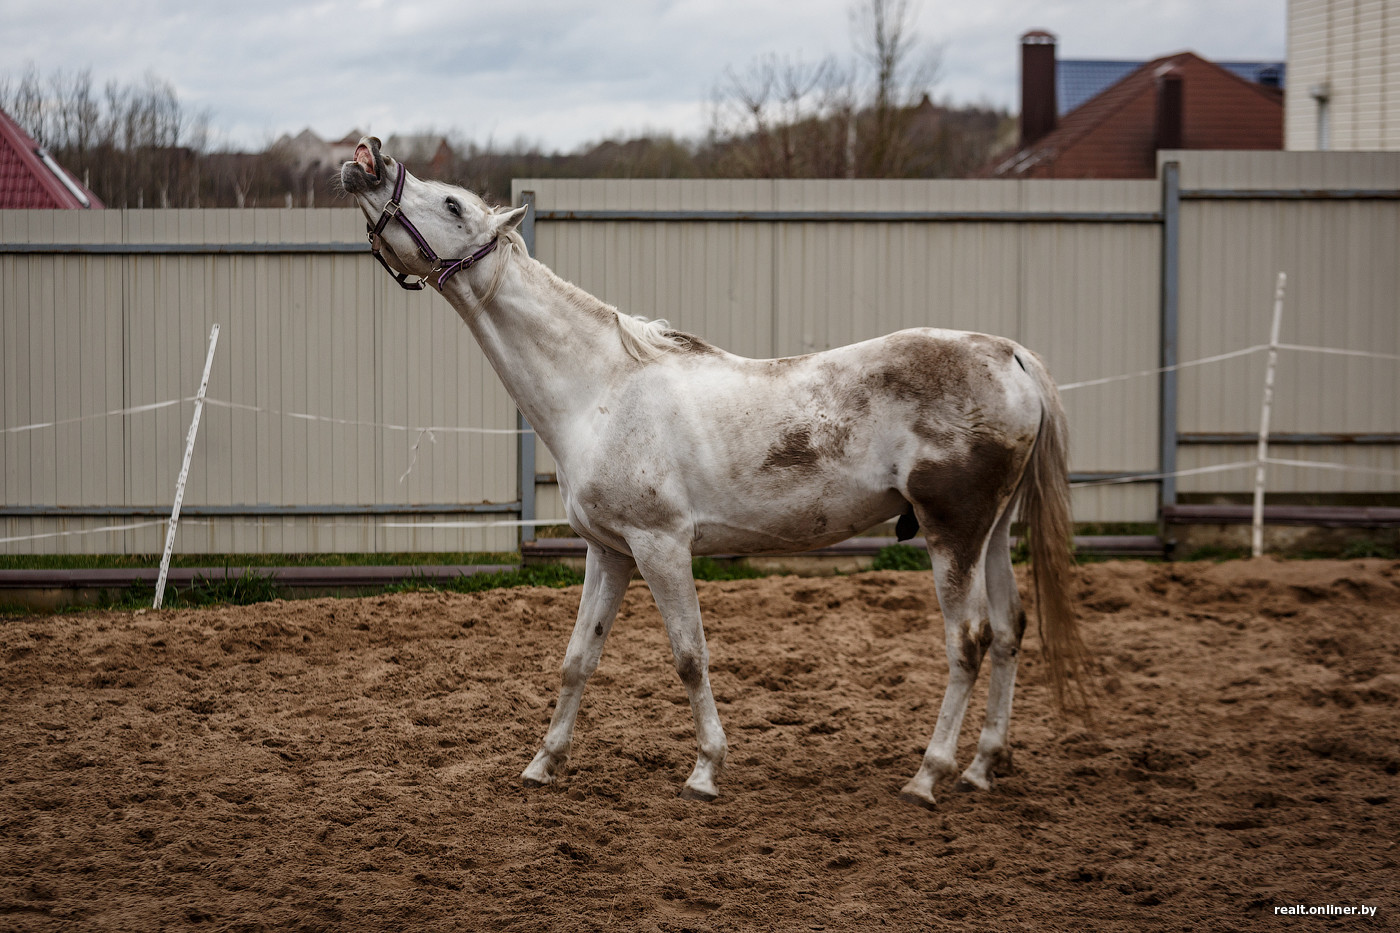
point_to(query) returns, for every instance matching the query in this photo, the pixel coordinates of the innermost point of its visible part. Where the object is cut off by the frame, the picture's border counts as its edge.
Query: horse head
(415, 224)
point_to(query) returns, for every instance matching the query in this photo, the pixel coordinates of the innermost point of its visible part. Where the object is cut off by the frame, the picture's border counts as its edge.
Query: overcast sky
(560, 73)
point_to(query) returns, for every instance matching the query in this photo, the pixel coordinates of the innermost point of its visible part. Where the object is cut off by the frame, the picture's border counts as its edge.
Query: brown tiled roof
(1112, 134)
(26, 182)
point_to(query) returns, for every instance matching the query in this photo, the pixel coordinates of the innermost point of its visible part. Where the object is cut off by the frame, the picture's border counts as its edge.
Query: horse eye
(454, 207)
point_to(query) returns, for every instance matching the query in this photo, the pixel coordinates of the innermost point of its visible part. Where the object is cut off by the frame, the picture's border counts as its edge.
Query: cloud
(562, 72)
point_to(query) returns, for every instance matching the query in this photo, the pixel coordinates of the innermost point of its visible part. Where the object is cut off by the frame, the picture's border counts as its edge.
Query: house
(1344, 56)
(1078, 79)
(30, 179)
(1180, 101)
(308, 152)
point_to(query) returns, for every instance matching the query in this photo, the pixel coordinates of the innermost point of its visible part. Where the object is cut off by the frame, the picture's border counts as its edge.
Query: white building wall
(1343, 88)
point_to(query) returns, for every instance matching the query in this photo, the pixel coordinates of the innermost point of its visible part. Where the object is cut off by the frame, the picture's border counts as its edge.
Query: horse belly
(792, 520)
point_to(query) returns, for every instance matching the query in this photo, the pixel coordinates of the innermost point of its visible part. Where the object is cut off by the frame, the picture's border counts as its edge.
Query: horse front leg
(605, 578)
(665, 565)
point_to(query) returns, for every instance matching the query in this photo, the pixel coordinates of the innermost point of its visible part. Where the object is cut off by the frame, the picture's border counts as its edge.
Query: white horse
(668, 448)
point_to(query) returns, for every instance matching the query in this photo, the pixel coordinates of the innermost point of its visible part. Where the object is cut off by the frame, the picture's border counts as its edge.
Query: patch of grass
(552, 575)
(1215, 552)
(122, 561)
(1115, 528)
(901, 557)
(227, 590)
(707, 568)
(253, 587)
(1358, 548)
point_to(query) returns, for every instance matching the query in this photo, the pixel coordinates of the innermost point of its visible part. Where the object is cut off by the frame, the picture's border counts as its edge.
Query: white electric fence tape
(1146, 477)
(106, 414)
(84, 531)
(348, 422)
(1164, 369)
(447, 429)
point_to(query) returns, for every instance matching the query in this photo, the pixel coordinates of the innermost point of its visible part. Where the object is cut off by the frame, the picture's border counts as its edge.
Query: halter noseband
(446, 268)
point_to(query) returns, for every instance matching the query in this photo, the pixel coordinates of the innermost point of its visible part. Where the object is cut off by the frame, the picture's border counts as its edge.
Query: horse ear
(506, 222)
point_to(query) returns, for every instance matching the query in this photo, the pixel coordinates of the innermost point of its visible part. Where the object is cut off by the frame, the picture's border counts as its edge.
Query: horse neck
(554, 346)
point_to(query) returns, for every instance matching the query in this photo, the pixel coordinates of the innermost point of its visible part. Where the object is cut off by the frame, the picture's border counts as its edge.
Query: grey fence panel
(1073, 269)
(1331, 222)
(105, 311)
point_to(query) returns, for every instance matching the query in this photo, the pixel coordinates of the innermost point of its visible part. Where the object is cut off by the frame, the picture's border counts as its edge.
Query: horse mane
(643, 340)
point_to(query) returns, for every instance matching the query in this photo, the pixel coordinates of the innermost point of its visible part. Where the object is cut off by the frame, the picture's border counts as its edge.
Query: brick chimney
(1039, 107)
(1171, 110)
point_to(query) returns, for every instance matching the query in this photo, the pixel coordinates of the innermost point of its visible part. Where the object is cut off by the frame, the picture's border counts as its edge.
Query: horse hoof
(927, 803)
(690, 793)
(533, 782)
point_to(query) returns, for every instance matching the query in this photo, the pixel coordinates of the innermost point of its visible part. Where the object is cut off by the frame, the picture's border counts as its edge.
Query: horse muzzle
(367, 170)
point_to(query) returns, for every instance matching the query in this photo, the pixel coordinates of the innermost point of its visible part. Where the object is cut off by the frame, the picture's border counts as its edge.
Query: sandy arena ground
(353, 764)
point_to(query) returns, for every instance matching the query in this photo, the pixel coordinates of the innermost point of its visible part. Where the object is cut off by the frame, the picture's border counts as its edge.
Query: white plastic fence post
(185, 469)
(1257, 538)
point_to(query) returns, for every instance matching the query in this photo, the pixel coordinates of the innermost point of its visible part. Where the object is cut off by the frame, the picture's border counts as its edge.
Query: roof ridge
(1119, 89)
(1102, 107)
(23, 146)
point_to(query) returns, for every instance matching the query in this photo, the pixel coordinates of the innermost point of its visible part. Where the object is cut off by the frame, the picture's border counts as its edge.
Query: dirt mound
(330, 764)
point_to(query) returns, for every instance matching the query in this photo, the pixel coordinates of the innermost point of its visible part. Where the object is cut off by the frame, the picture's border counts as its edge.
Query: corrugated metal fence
(333, 372)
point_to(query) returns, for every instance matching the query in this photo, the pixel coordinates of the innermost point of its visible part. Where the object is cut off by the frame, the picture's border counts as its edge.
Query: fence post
(1257, 532)
(185, 470)
(1171, 282)
(525, 457)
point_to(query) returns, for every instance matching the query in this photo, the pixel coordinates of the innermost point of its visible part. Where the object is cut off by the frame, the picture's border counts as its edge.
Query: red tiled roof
(27, 182)
(1112, 134)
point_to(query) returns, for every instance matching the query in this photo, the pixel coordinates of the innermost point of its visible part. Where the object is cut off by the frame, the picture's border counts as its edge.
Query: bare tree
(902, 73)
(125, 142)
(790, 118)
(783, 118)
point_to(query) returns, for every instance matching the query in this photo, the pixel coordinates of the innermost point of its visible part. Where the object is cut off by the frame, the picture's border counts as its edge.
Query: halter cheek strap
(443, 268)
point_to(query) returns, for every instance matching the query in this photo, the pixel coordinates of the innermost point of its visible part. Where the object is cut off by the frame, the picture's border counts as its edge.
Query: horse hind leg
(962, 593)
(1008, 624)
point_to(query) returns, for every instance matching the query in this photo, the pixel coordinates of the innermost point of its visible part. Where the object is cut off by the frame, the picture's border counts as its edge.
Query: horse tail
(1045, 509)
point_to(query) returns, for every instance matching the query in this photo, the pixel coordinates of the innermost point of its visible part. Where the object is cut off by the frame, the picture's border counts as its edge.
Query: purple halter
(446, 268)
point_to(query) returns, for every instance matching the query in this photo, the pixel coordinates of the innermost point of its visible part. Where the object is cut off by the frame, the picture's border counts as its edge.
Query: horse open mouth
(366, 170)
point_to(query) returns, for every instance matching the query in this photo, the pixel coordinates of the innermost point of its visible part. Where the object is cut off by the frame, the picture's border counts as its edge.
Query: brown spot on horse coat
(957, 499)
(937, 378)
(691, 670)
(689, 343)
(794, 451)
(971, 650)
(998, 348)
